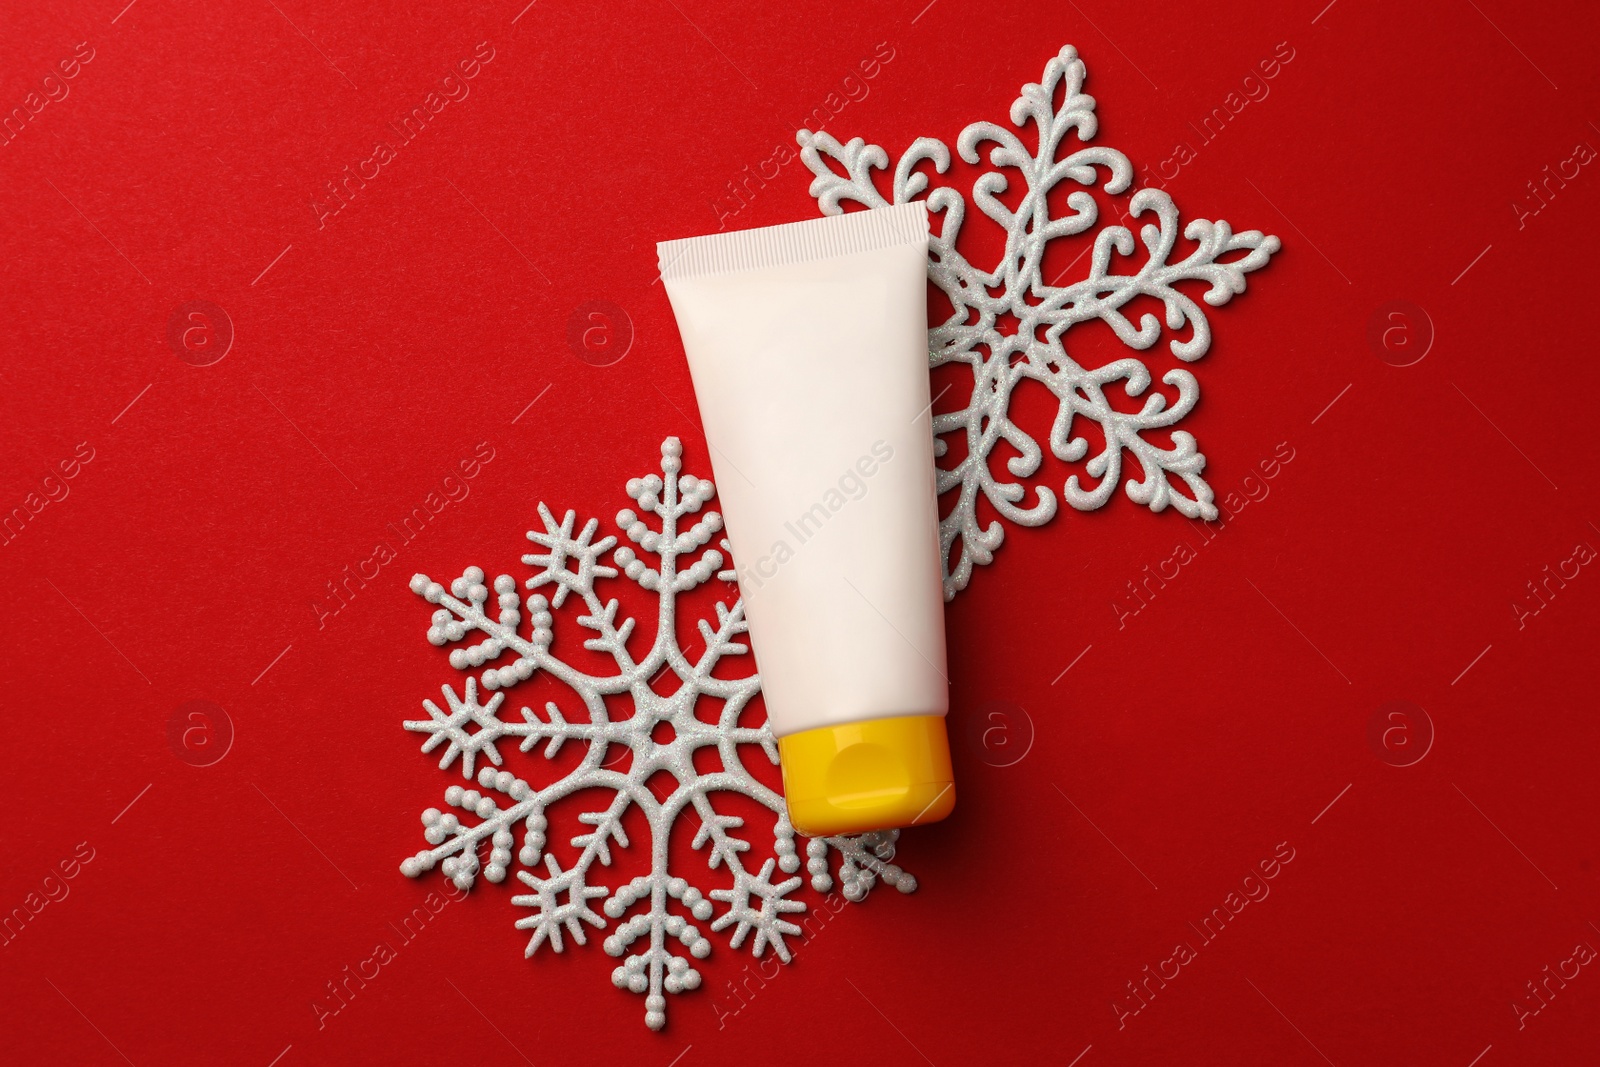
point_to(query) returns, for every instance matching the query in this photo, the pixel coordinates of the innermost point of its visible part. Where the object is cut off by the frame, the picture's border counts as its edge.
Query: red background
(370, 355)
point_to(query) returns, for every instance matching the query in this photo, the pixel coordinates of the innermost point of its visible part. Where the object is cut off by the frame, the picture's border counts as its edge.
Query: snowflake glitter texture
(758, 902)
(1000, 361)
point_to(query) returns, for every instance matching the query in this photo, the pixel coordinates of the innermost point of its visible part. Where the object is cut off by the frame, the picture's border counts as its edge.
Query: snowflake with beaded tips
(1044, 312)
(653, 910)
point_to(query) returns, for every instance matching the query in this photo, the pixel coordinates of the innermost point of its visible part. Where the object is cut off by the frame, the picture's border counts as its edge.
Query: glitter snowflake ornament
(1045, 313)
(513, 643)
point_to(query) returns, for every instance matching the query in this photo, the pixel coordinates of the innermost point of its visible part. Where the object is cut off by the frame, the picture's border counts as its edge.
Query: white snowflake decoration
(1000, 361)
(758, 903)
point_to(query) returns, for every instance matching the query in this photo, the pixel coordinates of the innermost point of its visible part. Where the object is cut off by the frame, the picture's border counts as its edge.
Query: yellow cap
(872, 775)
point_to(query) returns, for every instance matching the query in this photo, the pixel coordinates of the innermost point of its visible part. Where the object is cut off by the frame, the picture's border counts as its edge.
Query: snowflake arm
(563, 548)
(552, 912)
(452, 726)
(864, 860)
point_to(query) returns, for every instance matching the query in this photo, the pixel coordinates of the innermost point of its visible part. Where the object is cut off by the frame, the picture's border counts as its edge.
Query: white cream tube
(808, 346)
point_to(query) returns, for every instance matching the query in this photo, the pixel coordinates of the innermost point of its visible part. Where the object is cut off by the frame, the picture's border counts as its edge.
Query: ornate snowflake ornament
(513, 643)
(1044, 313)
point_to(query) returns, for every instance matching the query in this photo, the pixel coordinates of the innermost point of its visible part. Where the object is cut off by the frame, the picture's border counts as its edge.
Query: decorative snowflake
(513, 651)
(1044, 313)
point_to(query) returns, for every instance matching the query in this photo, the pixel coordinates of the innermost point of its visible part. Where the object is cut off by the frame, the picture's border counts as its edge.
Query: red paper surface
(1239, 718)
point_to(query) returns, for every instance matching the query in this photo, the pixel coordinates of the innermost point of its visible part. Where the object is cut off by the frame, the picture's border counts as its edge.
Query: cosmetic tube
(808, 346)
